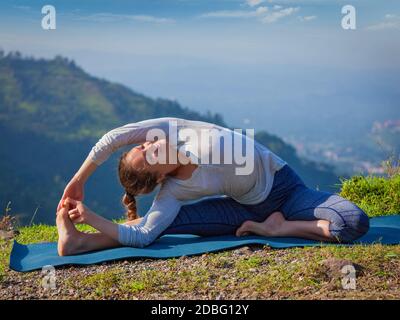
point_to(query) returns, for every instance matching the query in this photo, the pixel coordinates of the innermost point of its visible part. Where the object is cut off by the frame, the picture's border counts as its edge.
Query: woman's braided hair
(135, 181)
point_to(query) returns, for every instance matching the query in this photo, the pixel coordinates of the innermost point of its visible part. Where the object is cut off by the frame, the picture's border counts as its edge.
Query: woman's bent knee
(356, 224)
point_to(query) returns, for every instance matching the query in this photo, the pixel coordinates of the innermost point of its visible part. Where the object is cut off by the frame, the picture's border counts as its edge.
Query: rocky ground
(252, 272)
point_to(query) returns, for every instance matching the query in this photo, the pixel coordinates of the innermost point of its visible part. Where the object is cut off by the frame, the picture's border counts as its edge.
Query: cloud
(277, 15)
(307, 18)
(261, 10)
(261, 13)
(25, 8)
(111, 17)
(254, 3)
(235, 13)
(391, 21)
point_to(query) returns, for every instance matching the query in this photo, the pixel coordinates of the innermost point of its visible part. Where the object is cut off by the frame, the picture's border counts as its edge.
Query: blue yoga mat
(384, 230)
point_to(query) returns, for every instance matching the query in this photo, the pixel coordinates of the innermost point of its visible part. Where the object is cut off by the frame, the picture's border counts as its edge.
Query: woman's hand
(77, 211)
(74, 190)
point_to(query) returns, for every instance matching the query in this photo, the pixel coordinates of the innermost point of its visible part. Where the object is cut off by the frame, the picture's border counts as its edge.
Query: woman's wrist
(84, 172)
(91, 218)
(79, 178)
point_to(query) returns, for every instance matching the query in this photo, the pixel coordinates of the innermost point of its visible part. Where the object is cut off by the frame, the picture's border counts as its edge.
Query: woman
(269, 200)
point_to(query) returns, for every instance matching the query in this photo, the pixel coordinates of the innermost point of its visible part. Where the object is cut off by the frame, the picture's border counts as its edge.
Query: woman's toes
(245, 229)
(62, 212)
(240, 233)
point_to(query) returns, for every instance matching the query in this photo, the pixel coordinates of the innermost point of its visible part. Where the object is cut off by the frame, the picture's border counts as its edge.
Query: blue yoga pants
(222, 215)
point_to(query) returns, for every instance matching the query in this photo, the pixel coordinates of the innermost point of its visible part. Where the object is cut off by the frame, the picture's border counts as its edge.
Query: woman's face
(151, 156)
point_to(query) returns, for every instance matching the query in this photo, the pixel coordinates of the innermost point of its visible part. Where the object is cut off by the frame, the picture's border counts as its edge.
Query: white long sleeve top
(248, 181)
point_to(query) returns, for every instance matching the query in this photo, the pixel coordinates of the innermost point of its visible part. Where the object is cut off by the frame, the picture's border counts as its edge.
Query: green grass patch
(248, 263)
(5, 249)
(377, 196)
(135, 286)
(103, 283)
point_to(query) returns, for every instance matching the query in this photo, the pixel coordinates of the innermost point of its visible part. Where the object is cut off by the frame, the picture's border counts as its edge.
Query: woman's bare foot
(269, 228)
(68, 237)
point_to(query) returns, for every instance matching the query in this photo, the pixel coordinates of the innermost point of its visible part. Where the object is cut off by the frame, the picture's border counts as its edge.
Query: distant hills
(51, 114)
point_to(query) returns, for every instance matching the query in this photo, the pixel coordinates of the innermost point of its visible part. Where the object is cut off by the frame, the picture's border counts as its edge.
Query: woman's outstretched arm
(75, 188)
(133, 133)
(161, 214)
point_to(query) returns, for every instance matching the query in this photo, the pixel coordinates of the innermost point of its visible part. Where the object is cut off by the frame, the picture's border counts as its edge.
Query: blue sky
(194, 11)
(284, 66)
(297, 32)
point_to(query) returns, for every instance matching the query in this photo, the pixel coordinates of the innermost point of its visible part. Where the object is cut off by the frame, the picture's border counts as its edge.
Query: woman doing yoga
(198, 196)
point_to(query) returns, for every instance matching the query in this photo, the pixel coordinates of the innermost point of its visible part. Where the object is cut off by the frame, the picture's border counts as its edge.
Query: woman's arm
(103, 225)
(162, 213)
(119, 137)
(75, 188)
(132, 133)
(85, 171)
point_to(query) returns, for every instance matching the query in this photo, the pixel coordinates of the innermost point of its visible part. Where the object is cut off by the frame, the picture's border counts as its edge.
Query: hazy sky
(270, 64)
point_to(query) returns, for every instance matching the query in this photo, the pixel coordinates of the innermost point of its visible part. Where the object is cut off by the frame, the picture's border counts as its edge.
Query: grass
(5, 249)
(296, 273)
(292, 273)
(375, 195)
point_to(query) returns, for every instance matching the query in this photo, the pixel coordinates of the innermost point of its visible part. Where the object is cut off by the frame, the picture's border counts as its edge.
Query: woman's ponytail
(135, 181)
(129, 202)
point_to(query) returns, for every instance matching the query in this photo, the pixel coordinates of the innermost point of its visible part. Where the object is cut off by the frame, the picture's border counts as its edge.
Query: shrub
(377, 196)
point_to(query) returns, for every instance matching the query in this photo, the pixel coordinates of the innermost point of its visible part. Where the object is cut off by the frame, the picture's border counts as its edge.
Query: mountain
(51, 114)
